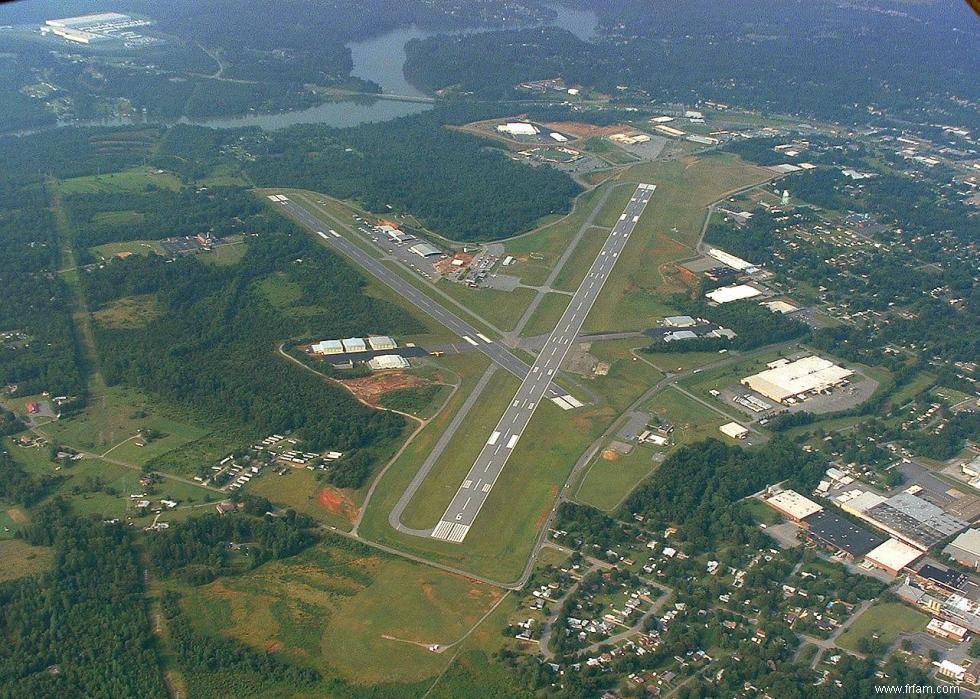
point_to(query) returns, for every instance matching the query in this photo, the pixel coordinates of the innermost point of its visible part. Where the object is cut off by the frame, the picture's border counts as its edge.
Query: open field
(225, 255)
(889, 620)
(129, 312)
(668, 230)
(300, 490)
(364, 617)
(678, 362)
(546, 316)
(132, 247)
(111, 424)
(578, 264)
(20, 559)
(628, 377)
(502, 308)
(692, 421)
(137, 179)
(609, 481)
(12, 519)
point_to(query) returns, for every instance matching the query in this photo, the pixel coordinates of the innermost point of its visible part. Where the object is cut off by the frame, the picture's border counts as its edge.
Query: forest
(455, 183)
(83, 628)
(697, 486)
(215, 343)
(794, 58)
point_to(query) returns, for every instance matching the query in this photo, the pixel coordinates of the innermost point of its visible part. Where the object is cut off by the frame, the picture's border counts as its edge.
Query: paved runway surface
(494, 350)
(475, 489)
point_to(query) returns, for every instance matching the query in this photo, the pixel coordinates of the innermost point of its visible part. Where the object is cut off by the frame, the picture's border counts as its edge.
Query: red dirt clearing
(370, 388)
(336, 502)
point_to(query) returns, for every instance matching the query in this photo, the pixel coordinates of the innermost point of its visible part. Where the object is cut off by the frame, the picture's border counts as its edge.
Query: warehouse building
(736, 263)
(518, 128)
(736, 292)
(381, 342)
(839, 534)
(354, 344)
(904, 516)
(425, 250)
(965, 549)
(787, 382)
(388, 361)
(680, 335)
(328, 347)
(793, 506)
(680, 321)
(734, 430)
(893, 556)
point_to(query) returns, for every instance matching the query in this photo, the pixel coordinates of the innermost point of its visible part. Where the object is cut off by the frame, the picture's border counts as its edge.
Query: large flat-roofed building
(388, 361)
(794, 380)
(734, 430)
(354, 344)
(840, 534)
(328, 347)
(893, 556)
(792, 505)
(730, 260)
(425, 250)
(965, 549)
(381, 342)
(518, 128)
(680, 321)
(736, 292)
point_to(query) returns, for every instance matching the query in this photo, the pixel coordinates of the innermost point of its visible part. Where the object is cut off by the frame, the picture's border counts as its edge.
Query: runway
(497, 353)
(476, 487)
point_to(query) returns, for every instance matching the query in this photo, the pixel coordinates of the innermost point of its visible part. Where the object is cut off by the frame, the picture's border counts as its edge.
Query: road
(497, 353)
(476, 487)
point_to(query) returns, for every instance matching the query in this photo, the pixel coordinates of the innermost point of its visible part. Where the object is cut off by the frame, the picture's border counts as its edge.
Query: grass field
(691, 420)
(365, 617)
(111, 422)
(681, 361)
(628, 377)
(12, 520)
(20, 559)
(501, 308)
(546, 316)
(137, 179)
(667, 231)
(581, 260)
(608, 482)
(129, 312)
(889, 620)
(133, 247)
(225, 255)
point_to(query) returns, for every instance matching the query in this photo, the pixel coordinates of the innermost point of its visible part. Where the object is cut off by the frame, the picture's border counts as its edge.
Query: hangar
(518, 128)
(736, 292)
(425, 250)
(787, 380)
(388, 361)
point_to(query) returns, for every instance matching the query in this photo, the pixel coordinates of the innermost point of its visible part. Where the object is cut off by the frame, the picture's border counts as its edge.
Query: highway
(497, 353)
(476, 487)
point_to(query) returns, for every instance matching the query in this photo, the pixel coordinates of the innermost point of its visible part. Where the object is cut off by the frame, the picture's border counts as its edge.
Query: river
(380, 59)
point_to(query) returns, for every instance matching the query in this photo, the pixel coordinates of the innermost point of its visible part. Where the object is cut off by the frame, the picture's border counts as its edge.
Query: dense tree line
(214, 348)
(82, 628)
(731, 54)
(37, 300)
(201, 549)
(454, 182)
(697, 486)
(19, 487)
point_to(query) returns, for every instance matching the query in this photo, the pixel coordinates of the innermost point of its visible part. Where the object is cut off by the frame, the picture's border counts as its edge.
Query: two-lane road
(476, 487)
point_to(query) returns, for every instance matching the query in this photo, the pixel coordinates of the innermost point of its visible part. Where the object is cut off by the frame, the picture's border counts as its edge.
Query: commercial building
(965, 549)
(381, 342)
(730, 260)
(561, 138)
(425, 250)
(780, 306)
(734, 430)
(680, 335)
(680, 321)
(904, 516)
(354, 344)
(388, 361)
(788, 382)
(518, 128)
(792, 505)
(893, 556)
(839, 534)
(328, 347)
(735, 292)
(947, 630)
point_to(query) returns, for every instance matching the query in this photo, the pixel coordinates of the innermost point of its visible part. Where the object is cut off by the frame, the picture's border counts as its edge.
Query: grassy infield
(333, 610)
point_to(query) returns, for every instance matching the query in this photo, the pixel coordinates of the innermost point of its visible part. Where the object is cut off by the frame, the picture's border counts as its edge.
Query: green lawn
(581, 260)
(608, 482)
(137, 179)
(889, 620)
(546, 315)
(133, 247)
(501, 308)
(628, 377)
(692, 421)
(299, 490)
(109, 425)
